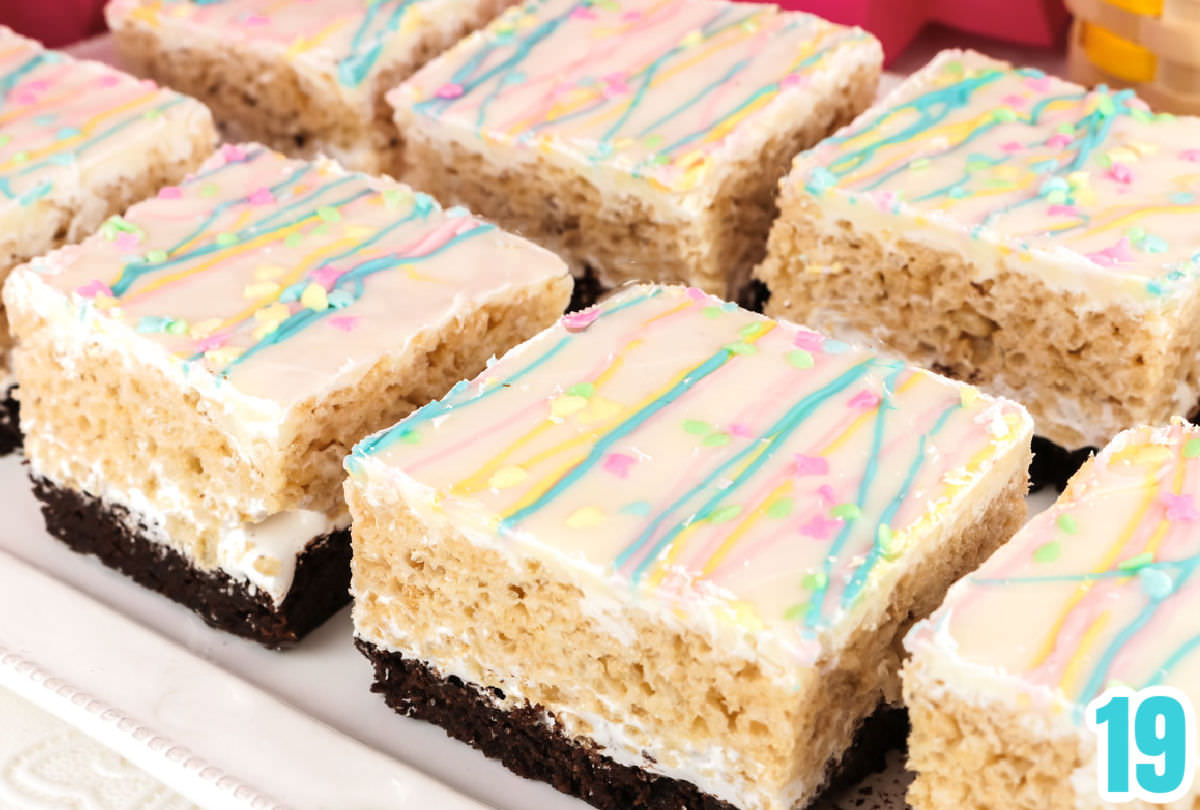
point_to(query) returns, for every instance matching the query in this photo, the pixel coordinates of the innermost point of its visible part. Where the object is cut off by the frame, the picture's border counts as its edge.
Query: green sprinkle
(954, 67)
(716, 440)
(152, 115)
(814, 581)
(711, 312)
(226, 239)
(293, 239)
(209, 190)
(1192, 448)
(5, 140)
(328, 213)
(1105, 106)
(409, 437)
(697, 427)
(1048, 553)
(652, 141)
(752, 329)
(725, 513)
(796, 612)
(156, 256)
(1137, 562)
(846, 511)
(919, 163)
(21, 157)
(800, 358)
(320, 230)
(1004, 114)
(583, 389)
(741, 347)
(780, 508)
(1068, 524)
(177, 327)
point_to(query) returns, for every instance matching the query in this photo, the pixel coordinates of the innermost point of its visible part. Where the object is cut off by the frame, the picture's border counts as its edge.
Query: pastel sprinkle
(506, 477)
(315, 298)
(846, 511)
(814, 581)
(1137, 562)
(820, 528)
(585, 518)
(810, 465)
(564, 406)
(637, 508)
(1048, 553)
(1181, 508)
(799, 358)
(1191, 448)
(697, 428)
(725, 514)
(780, 508)
(1157, 584)
(619, 463)
(1068, 524)
(716, 440)
(449, 91)
(328, 213)
(344, 323)
(579, 321)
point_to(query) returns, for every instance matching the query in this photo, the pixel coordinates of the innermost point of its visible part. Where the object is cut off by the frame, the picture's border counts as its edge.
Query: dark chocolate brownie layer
(531, 743)
(321, 586)
(10, 424)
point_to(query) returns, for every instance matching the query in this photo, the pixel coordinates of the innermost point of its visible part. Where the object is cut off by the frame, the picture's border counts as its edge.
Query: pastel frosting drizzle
(655, 88)
(61, 119)
(692, 450)
(1101, 589)
(351, 35)
(1089, 178)
(278, 276)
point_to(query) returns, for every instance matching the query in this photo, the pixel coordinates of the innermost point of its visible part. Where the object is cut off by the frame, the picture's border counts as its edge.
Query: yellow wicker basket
(1150, 45)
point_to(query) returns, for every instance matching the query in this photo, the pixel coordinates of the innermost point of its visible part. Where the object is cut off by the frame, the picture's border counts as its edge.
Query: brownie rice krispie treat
(192, 375)
(79, 141)
(640, 139)
(733, 520)
(1101, 590)
(304, 76)
(1010, 229)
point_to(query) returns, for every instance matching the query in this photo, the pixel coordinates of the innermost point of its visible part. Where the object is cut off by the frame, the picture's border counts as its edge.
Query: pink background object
(54, 22)
(897, 22)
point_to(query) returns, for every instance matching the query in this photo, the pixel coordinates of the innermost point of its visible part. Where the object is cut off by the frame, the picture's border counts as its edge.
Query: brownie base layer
(320, 588)
(10, 423)
(532, 744)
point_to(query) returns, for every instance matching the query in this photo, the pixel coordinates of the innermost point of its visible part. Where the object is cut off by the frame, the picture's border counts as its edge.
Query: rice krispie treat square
(79, 142)
(640, 139)
(192, 375)
(1101, 590)
(733, 520)
(1010, 229)
(306, 77)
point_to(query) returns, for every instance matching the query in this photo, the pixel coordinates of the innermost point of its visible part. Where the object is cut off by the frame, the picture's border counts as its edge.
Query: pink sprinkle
(1063, 211)
(109, 81)
(38, 85)
(211, 342)
(583, 13)
(170, 193)
(615, 85)
(262, 197)
(698, 295)
(1115, 254)
(1059, 140)
(94, 288)
(810, 341)
(326, 276)
(1038, 84)
(449, 91)
(827, 494)
(23, 97)
(127, 243)
(630, 16)
(886, 200)
(578, 321)
(232, 153)
(740, 430)
(1121, 173)
(619, 463)
(811, 465)
(1190, 155)
(820, 528)
(865, 400)
(1011, 146)
(346, 323)
(794, 80)
(1180, 507)
(257, 19)
(1014, 100)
